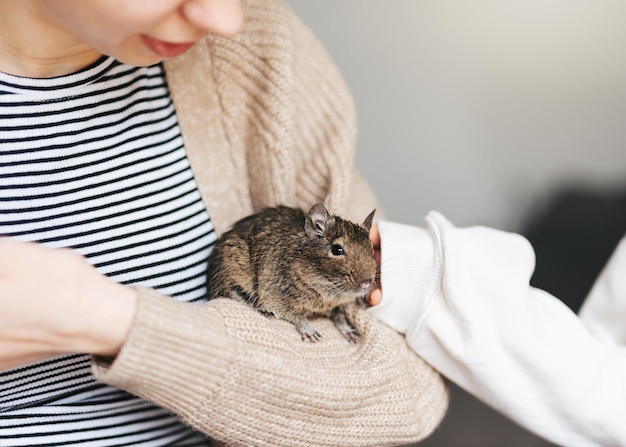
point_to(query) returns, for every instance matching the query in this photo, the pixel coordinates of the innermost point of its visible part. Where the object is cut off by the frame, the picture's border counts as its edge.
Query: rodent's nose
(366, 283)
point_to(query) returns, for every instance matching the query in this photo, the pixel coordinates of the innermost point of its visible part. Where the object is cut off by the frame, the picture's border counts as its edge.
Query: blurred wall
(480, 109)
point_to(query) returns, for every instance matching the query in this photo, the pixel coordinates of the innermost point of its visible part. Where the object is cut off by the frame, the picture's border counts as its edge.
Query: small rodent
(295, 265)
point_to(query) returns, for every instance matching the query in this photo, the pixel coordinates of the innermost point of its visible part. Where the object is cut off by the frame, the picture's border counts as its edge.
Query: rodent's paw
(343, 324)
(307, 331)
(349, 332)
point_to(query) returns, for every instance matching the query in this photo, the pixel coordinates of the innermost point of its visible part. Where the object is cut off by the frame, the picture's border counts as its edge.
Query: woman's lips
(166, 49)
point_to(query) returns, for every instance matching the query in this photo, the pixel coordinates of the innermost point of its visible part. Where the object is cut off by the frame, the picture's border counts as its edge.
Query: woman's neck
(31, 47)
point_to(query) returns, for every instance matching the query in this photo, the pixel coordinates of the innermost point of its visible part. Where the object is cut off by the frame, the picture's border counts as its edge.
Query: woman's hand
(52, 301)
(376, 296)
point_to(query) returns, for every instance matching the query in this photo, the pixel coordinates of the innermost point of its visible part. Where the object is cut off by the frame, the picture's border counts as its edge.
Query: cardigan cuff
(153, 338)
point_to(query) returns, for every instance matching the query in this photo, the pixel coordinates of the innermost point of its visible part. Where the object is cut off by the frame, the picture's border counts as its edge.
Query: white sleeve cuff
(410, 275)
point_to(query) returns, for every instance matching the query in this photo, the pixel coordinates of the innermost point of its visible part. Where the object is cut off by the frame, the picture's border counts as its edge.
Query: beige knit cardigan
(267, 119)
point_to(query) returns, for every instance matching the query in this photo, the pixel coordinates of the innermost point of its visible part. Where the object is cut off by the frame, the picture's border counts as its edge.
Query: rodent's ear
(367, 223)
(315, 222)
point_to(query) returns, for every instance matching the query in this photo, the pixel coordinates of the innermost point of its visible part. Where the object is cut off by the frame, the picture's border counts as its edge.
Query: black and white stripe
(95, 161)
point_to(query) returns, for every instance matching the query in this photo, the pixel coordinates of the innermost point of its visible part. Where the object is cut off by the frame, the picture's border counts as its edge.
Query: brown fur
(289, 264)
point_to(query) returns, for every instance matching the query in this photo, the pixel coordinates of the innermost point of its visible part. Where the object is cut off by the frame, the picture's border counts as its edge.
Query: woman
(118, 171)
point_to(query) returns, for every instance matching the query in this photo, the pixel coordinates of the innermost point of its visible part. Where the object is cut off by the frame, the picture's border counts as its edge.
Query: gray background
(482, 110)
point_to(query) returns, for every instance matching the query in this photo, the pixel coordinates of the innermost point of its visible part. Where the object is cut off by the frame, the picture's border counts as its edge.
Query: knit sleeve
(244, 379)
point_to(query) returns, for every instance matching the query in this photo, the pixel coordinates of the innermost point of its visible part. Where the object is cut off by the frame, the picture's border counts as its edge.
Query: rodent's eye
(337, 250)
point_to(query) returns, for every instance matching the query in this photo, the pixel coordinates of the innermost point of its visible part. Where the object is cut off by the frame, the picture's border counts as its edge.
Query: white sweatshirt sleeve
(463, 299)
(604, 310)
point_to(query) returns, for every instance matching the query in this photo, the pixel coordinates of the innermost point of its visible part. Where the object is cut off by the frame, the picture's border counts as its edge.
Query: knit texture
(262, 385)
(268, 120)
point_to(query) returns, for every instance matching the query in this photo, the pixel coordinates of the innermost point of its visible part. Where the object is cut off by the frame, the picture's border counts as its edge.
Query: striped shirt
(95, 161)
